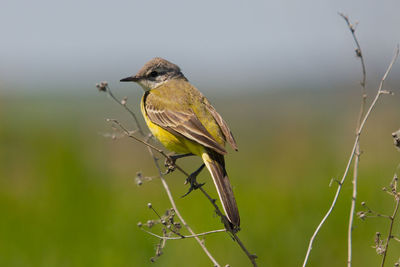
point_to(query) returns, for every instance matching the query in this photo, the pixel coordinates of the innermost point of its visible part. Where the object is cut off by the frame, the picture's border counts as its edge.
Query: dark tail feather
(216, 165)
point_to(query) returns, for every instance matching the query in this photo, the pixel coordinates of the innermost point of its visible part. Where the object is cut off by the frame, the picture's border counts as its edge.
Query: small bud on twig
(102, 87)
(124, 100)
(150, 223)
(362, 215)
(177, 225)
(358, 52)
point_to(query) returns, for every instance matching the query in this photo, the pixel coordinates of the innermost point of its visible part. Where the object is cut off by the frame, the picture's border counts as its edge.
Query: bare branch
(357, 152)
(352, 154)
(358, 51)
(129, 134)
(184, 236)
(123, 104)
(171, 199)
(392, 218)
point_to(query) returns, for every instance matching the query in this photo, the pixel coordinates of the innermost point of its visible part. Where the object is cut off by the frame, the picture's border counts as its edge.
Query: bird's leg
(192, 180)
(170, 161)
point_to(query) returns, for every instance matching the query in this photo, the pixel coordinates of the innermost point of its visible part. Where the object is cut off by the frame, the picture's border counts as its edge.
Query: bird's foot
(192, 180)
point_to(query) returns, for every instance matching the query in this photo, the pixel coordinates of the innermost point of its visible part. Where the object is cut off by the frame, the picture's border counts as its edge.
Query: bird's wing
(179, 120)
(223, 125)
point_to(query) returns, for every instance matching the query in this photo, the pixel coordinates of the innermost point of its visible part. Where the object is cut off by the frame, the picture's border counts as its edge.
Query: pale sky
(53, 45)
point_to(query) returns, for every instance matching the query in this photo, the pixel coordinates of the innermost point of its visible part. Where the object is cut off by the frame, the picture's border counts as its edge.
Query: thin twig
(390, 230)
(123, 104)
(392, 219)
(130, 135)
(171, 199)
(183, 236)
(354, 149)
(225, 221)
(357, 152)
(353, 207)
(358, 50)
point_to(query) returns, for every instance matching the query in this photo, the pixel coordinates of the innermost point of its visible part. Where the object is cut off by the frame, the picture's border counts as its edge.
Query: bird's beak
(130, 79)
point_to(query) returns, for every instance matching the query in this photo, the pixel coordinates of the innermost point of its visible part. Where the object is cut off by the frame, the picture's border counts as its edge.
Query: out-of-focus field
(68, 195)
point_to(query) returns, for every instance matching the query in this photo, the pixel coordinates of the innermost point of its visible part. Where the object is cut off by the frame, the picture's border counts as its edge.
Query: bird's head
(154, 73)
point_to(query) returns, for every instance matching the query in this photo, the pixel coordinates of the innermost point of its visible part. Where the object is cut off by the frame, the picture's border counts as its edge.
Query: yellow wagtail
(183, 120)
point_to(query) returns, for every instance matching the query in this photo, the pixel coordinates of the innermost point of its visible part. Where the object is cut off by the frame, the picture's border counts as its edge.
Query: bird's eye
(153, 74)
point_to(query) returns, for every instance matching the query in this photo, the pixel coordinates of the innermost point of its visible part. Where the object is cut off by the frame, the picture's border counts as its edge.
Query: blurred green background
(68, 195)
(284, 76)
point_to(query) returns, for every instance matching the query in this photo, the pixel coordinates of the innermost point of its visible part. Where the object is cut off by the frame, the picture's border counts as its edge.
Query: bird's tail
(216, 166)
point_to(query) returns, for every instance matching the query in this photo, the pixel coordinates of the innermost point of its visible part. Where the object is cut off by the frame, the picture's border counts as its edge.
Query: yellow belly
(177, 144)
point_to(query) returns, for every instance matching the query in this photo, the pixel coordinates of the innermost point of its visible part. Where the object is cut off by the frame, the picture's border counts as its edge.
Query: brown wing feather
(224, 126)
(184, 123)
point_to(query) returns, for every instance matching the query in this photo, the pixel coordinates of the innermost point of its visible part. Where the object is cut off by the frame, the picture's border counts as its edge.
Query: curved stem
(362, 124)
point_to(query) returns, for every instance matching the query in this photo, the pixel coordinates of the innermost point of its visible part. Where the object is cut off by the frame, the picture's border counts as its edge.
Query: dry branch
(380, 92)
(359, 54)
(184, 236)
(382, 245)
(396, 194)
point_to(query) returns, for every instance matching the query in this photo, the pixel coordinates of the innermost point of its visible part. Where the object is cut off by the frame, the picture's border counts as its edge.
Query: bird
(184, 121)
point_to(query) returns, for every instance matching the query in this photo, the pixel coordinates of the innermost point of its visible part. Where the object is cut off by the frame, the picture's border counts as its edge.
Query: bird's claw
(193, 183)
